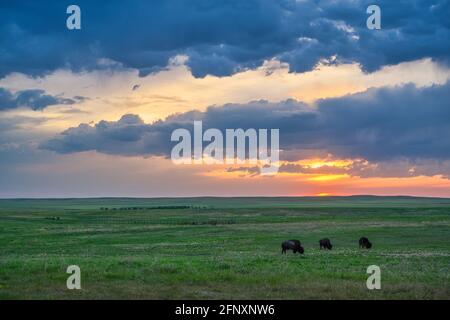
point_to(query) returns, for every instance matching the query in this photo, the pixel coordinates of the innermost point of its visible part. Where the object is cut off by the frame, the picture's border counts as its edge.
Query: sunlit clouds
(110, 94)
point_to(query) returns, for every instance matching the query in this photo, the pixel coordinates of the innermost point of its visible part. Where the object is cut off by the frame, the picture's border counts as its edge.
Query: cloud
(127, 136)
(377, 125)
(401, 168)
(17, 122)
(34, 99)
(219, 37)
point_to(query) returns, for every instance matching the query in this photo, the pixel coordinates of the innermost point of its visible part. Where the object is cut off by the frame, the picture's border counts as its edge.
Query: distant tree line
(156, 208)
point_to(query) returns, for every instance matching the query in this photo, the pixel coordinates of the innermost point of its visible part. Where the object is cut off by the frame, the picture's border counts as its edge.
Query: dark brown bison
(365, 243)
(325, 244)
(293, 245)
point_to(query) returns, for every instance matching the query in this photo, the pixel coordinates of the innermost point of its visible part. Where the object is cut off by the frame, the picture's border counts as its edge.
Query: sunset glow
(348, 123)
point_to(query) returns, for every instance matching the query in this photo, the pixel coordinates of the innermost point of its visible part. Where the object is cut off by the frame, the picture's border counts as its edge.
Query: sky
(90, 112)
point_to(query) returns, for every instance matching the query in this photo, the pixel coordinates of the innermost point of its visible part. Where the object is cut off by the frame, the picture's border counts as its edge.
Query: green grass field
(218, 248)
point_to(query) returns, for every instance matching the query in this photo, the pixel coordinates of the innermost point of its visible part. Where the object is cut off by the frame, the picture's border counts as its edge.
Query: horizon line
(223, 197)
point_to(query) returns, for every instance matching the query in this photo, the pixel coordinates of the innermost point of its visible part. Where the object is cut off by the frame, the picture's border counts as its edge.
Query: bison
(365, 243)
(293, 245)
(325, 244)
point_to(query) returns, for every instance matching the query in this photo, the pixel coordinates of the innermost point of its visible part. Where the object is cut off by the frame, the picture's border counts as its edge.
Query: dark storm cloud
(219, 37)
(127, 136)
(377, 125)
(34, 99)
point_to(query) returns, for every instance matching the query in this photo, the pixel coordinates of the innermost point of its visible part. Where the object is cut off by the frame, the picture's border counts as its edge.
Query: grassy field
(217, 248)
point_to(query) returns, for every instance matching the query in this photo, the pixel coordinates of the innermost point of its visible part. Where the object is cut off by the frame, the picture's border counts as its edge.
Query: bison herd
(325, 244)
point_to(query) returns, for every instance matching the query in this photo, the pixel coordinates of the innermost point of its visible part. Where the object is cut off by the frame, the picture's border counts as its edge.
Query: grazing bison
(325, 244)
(293, 245)
(365, 243)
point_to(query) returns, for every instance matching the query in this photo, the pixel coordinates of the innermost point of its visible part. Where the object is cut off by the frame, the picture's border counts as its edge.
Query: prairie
(224, 248)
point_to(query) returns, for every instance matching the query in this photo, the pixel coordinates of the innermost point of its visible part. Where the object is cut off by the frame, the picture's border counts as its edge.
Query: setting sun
(323, 194)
